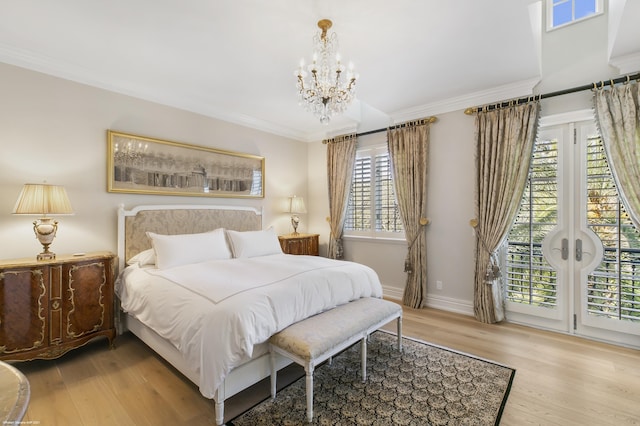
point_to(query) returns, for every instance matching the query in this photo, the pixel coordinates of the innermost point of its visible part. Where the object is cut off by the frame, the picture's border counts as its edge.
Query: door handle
(578, 249)
(565, 249)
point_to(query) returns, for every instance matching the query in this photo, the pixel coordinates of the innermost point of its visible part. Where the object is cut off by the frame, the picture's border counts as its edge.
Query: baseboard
(458, 306)
(393, 293)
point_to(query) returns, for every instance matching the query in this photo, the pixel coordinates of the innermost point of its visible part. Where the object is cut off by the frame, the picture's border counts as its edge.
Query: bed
(206, 286)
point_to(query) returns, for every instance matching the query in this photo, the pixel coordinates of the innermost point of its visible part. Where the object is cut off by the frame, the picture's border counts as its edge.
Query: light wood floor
(560, 380)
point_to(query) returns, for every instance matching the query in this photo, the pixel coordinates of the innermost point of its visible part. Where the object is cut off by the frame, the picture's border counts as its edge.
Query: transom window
(564, 12)
(372, 209)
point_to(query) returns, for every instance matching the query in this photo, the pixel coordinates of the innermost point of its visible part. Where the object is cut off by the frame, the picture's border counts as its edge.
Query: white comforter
(215, 312)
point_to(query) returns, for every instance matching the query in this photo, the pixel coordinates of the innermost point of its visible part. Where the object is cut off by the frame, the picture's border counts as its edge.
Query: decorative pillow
(254, 243)
(182, 249)
(146, 257)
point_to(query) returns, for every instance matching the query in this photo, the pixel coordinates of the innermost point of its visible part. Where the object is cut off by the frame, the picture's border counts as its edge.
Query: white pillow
(183, 249)
(254, 243)
(146, 257)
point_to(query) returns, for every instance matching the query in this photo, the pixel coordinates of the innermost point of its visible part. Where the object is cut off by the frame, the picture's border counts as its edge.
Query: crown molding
(626, 64)
(76, 73)
(72, 72)
(488, 96)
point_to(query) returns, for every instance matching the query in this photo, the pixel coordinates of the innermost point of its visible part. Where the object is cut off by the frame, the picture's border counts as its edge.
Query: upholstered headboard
(178, 219)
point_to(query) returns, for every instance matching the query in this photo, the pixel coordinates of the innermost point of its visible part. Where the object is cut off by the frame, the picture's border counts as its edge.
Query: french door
(572, 257)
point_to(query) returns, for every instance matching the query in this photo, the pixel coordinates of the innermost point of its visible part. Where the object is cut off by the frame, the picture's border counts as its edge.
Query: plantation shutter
(530, 279)
(387, 214)
(614, 286)
(359, 208)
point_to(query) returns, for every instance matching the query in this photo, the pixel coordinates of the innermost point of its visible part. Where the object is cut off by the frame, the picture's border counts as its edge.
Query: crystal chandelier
(324, 89)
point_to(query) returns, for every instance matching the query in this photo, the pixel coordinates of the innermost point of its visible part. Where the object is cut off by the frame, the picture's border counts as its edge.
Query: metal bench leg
(400, 333)
(274, 373)
(363, 354)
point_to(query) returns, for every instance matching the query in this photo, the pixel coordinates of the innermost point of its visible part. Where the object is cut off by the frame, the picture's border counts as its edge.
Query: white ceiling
(235, 59)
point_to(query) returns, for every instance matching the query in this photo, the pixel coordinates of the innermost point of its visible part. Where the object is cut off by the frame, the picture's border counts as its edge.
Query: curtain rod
(611, 82)
(473, 110)
(426, 120)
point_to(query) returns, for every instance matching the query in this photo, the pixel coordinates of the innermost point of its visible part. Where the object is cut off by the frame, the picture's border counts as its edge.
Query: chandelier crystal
(326, 87)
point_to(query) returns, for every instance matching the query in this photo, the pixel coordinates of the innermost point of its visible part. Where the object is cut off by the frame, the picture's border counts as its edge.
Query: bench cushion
(318, 334)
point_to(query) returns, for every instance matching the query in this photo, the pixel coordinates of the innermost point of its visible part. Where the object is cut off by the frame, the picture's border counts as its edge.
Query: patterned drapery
(618, 117)
(341, 156)
(504, 143)
(408, 146)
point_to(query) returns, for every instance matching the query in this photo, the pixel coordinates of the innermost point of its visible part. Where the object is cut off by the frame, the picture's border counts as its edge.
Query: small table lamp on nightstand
(296, 206)
(43, 200)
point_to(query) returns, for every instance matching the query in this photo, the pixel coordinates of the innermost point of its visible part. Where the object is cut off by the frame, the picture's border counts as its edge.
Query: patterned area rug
(423, 385)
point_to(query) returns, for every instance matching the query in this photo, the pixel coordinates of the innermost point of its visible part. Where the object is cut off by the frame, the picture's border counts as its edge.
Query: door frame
(571, 316)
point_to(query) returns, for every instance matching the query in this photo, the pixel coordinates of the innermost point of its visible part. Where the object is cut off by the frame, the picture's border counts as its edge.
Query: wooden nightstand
(300, 244)
(50, 307)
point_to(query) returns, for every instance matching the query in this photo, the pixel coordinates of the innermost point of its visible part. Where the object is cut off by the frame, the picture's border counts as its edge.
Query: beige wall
(572, 57)
(55, 130)
(69, 120)
(450, 207)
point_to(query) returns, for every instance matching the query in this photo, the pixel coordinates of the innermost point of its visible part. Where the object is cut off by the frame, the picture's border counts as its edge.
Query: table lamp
(44, 200)
(296, 206)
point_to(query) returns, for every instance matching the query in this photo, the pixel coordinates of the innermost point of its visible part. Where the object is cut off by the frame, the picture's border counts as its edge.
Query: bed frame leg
(219, 413)
(219, 406)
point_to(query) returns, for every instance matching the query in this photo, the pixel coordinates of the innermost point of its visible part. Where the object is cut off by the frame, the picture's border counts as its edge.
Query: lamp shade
(296, 205)
(43, 199)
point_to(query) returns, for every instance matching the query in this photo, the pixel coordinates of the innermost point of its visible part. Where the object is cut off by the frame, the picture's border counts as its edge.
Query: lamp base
(46, 256)
(45, 230)
(295, 221)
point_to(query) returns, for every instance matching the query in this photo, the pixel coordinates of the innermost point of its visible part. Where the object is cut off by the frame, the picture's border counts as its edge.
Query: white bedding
(215, 312)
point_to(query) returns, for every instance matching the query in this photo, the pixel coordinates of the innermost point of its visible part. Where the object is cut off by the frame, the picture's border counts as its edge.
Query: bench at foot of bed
(320, 337)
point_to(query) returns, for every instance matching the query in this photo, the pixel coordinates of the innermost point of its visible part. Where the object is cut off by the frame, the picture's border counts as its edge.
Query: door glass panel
(613, 288)
(572, 211)
(530, 279)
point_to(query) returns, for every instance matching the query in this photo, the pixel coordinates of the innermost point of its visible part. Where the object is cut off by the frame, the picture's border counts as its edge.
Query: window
(372, 209)
(564, 12)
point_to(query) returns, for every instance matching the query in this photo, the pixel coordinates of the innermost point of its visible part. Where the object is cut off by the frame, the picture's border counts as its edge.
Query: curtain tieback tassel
(493, 273)
(408, 268)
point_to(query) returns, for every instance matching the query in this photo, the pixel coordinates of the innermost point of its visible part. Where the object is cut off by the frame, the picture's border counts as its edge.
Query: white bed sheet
(215, 312)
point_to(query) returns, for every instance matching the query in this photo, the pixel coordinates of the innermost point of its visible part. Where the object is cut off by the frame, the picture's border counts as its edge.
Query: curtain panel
(504, 144)
(617, 112)
(341, 156)
(408, 147)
